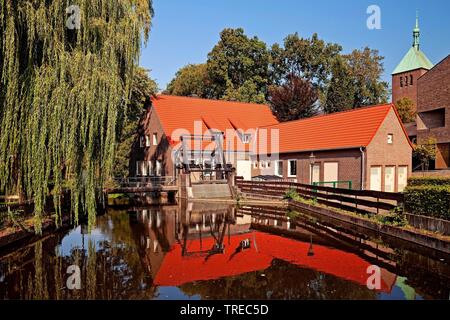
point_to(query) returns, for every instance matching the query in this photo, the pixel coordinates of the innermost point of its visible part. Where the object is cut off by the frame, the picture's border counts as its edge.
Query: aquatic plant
(65, 74)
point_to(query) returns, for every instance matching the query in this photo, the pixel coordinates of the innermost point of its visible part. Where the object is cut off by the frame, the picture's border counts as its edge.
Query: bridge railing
(137, 182)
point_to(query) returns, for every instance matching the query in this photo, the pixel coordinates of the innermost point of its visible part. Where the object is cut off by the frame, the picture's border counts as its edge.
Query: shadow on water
(214, 251)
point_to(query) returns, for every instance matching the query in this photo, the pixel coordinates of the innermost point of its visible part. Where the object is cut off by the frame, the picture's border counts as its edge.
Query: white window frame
(138, 169)
(155, 138)
(289, 168)
(255, 164)
(262, 164)
(147, 140)
(277, 168)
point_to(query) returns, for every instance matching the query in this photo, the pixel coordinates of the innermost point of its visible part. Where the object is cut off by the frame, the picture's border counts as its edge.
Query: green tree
(341, 90)
(308, 58)
(366, 69)
(191, 80)
(425, 152)
(142, 89)
(405, 108)
(238, 67)
(295, 99)
(62, 89)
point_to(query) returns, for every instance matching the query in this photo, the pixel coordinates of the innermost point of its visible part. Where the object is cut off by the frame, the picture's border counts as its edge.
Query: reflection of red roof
(177, 270)
(178, 115)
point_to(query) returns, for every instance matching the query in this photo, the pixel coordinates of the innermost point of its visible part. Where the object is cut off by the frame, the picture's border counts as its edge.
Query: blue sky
(184, 31)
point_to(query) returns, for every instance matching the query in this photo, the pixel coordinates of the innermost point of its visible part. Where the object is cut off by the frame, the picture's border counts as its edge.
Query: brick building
(413, 65)
(170, 117)
(368, 147)
(433, 110)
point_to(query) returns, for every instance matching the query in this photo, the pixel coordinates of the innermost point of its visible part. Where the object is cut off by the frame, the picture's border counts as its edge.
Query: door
(244, 169)
(315, 173)
(402, 177)
(389, 179)
(375, 178)
(330, 172)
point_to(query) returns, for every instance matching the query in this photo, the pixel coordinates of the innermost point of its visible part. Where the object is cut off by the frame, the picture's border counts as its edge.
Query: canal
(215, 251)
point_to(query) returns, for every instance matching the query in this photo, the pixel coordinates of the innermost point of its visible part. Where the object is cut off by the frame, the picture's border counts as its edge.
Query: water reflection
(213, 251)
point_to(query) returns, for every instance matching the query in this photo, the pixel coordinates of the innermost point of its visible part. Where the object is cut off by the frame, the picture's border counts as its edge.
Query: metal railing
(137, 182)
(334, 184)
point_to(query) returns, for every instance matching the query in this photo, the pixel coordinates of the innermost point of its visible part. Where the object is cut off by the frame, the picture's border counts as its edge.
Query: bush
(428, 200)
(433, 181)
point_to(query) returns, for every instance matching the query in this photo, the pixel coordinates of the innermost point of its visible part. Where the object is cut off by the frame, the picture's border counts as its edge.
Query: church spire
(416, 34)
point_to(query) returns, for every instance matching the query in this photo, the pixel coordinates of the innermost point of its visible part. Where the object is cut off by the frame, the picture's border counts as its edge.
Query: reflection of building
(206, 243)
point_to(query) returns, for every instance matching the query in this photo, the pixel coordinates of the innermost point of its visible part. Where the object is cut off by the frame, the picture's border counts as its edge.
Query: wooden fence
(361, 201)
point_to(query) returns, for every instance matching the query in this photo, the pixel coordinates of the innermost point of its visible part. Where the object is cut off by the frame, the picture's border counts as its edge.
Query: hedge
(433, 181)
(428, 200)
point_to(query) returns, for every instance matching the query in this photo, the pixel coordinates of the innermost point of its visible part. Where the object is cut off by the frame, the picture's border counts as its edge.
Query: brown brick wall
(409, 91)
(380, 153)
(163, 151)
(434, 93)
(349, 168)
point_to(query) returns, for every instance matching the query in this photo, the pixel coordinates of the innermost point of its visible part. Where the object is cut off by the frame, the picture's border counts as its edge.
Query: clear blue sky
(184, 31)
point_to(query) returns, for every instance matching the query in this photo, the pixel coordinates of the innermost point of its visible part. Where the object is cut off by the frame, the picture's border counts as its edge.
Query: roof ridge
(331, 114)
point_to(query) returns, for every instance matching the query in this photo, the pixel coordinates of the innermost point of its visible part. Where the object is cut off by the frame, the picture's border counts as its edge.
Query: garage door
(244, 169)
(389, 179)
(330, 172)
(375, 178)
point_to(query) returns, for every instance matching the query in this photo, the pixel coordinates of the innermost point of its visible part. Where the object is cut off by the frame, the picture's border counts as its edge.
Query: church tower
(413, 65)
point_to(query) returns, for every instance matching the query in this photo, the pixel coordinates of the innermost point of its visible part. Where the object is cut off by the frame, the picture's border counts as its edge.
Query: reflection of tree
(281, 281)
(109, 269)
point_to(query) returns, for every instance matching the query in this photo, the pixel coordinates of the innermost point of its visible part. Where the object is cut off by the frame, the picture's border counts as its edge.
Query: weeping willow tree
(65, 72)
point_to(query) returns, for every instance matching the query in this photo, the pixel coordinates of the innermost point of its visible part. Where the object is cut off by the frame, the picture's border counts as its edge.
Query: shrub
(428, 200)
(433, 181)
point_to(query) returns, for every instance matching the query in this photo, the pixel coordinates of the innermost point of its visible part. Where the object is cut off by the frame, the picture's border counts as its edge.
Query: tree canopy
(240, 68)
(61, 93)
(405, 108)
(294, 99)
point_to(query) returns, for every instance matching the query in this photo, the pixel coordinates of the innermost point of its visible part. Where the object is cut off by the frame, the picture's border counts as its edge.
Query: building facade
(367, 149)
(433, 110)
(413, 65)
(169, 119)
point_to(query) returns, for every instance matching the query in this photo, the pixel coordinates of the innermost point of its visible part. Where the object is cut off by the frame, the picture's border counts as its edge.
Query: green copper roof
(415, 58)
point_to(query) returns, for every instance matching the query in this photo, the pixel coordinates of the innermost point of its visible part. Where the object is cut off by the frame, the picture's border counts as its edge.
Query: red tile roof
(342, 130)
(177, 113)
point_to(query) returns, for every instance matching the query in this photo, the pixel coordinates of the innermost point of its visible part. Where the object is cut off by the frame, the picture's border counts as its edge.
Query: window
(411, 79)
(401, 82)
(375, 178)
(292, 168)
(147, 141)
(158, 168)
(279, 168)
(406, 81)
(155, 139)
(141, 141)
(390, 138)
(255, 164)
(263, 164)
(268, 164)
(149, 165)
(141, 168)
(138, 168)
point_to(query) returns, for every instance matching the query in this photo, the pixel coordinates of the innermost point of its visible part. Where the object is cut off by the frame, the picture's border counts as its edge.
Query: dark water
(198, 251)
